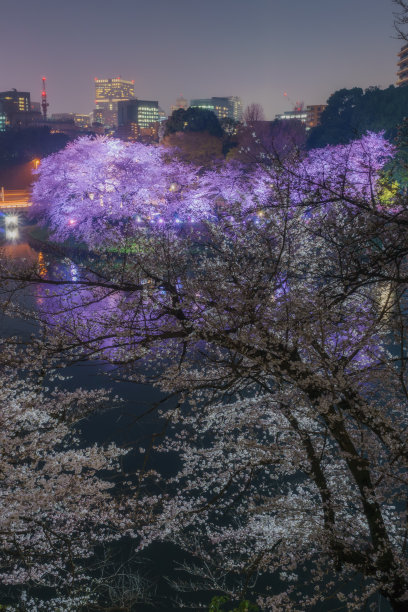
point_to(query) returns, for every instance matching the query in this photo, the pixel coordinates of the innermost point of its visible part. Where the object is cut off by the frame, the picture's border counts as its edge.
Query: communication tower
(44, 103)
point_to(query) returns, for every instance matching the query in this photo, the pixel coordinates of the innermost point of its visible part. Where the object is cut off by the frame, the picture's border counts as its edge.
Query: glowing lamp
(11, 220)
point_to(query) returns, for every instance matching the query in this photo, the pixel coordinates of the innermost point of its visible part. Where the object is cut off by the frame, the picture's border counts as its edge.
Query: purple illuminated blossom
(98, 190)
(271, 321)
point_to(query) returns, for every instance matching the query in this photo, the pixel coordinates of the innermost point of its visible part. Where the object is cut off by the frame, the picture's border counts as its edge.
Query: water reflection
(15, 250)
(13, 234)
(74, 271)
(11, 227)
(42, 268)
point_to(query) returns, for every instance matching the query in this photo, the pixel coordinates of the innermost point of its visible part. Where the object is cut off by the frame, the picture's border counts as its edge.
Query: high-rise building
(142, 112)
(108, 93)
(204, 103)
(224, 107)
(17, 108)
(231, 104)
(15, 101)
(138, 119)
(403, 66)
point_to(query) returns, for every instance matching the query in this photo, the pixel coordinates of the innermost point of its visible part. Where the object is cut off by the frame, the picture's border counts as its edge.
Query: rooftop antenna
(44, 103)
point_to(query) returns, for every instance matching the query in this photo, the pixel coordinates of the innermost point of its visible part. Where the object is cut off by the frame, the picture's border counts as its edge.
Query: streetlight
(36, 163)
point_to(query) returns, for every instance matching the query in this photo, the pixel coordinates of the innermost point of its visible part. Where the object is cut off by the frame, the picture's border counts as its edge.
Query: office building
(138, 119)
(15, 101)
(224, 107)
(204, 103)
(309, 116)
(108, 93)
(230, 107)
(403, 66)
(314, 112)
(298, 112)
(143, 113)
(16, 106)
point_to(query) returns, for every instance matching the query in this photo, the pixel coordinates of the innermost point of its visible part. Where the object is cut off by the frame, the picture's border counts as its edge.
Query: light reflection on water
(12, 234)
(11, 227)
(73, 268)
(15, 250)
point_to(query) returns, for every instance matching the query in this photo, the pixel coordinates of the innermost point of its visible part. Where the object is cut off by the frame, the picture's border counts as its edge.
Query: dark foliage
(193, 120)
(351, 112)
(22, 145)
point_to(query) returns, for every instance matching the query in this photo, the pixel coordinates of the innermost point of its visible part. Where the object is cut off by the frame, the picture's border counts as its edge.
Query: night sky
(256, 49)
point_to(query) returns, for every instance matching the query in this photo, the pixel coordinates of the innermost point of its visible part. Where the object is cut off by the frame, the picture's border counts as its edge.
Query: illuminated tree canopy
(271, 301)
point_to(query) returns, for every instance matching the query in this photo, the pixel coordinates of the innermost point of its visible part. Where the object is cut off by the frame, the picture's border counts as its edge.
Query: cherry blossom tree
(56, 501)
(102, 187)
(271, 301)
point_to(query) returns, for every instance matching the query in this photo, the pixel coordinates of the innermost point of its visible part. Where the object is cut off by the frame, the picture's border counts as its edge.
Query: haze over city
(256, 50)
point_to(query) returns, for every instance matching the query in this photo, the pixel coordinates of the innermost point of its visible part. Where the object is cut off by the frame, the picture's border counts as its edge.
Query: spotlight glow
(11, 220)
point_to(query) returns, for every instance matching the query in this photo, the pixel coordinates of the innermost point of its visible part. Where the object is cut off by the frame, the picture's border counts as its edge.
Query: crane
(297, 106)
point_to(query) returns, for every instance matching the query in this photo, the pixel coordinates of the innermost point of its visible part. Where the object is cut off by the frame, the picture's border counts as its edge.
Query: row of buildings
(118, 111)
(18, 111)
(117, 107)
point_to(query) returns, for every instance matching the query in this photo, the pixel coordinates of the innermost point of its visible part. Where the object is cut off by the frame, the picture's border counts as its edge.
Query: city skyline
(229, 48)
